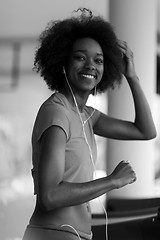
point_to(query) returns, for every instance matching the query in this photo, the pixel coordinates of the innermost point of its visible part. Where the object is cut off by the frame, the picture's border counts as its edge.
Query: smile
(88, 76)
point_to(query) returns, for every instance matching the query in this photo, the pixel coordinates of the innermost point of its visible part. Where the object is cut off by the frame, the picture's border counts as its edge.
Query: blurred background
(22, 91)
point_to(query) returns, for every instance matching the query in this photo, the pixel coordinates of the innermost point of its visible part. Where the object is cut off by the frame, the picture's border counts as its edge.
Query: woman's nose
(89, 65)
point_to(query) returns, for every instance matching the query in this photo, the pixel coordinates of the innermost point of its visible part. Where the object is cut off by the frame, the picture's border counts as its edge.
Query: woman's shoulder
(52, 112)
(54, 104)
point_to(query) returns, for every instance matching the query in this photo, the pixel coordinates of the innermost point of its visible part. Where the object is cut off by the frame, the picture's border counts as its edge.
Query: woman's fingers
(125, 49)
(124, 174)
(129, 69)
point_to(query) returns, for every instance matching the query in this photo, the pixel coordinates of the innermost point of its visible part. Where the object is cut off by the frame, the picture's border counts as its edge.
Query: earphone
(64, 71)
(89, 148)
(75, 101)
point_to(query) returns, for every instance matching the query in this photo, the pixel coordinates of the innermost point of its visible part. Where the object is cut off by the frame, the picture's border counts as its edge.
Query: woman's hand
(123, 174)
(129, 69)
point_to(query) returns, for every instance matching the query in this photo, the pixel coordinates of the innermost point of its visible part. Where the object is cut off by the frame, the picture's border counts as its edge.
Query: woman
(78, 57)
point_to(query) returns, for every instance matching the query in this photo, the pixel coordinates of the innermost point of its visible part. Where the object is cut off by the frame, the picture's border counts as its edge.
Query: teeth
(88, 76)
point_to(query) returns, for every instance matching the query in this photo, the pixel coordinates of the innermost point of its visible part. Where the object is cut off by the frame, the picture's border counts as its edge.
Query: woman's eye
(80, 58)
(99, 60)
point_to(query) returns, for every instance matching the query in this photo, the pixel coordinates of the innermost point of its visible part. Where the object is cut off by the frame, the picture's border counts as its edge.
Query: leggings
(48, 234)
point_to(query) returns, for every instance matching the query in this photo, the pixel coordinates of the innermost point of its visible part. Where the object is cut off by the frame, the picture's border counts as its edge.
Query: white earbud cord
(67, 225)
(90, 151)
(91, 157)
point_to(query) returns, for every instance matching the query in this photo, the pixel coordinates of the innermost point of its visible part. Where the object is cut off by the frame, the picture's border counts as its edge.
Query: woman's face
(85, 67)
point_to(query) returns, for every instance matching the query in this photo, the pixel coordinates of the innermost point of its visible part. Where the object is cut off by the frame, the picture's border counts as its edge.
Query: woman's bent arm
(54, 192)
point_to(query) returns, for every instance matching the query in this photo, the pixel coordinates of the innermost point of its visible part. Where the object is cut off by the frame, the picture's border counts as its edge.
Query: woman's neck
(80, 99)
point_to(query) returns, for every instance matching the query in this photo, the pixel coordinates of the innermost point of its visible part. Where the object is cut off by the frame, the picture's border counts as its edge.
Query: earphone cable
(86, 140)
